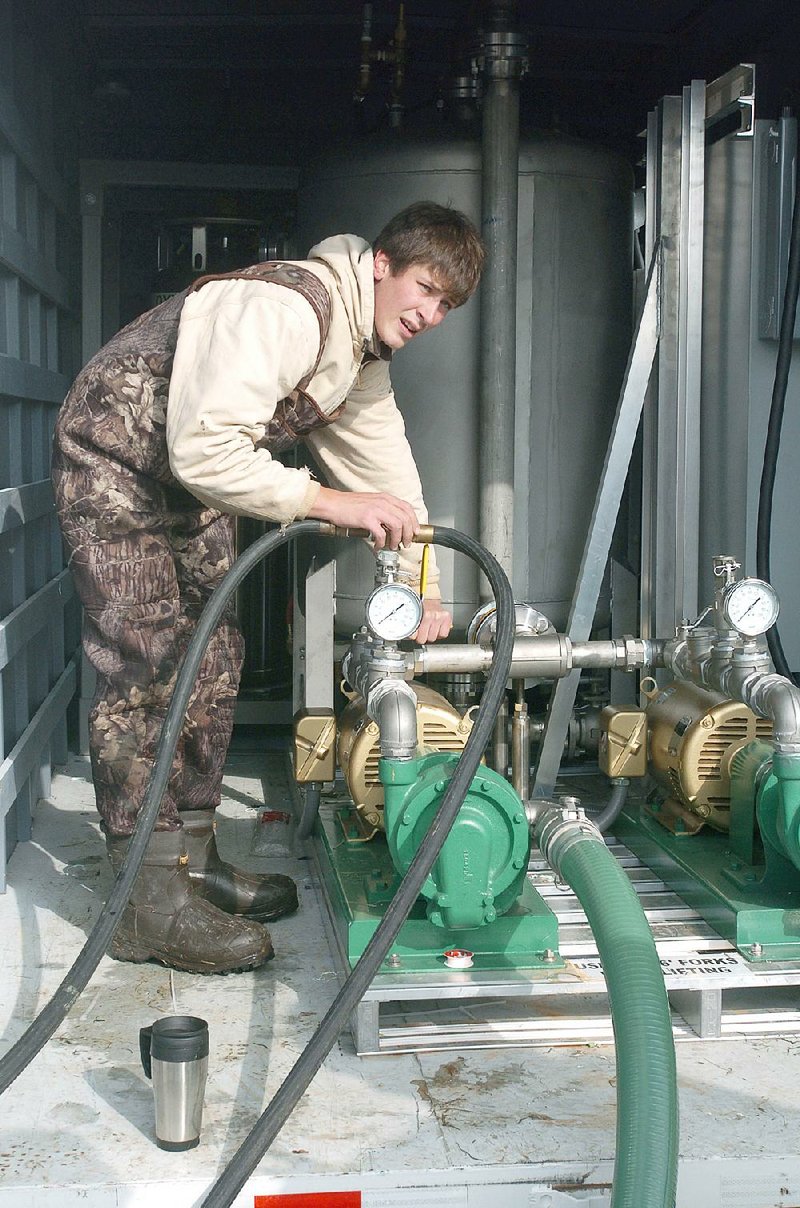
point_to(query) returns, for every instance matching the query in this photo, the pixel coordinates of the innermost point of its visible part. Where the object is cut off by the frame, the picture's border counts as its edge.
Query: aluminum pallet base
(713, 991)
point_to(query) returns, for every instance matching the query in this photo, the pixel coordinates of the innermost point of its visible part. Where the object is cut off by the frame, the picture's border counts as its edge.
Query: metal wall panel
(739, 360)
(39, 330)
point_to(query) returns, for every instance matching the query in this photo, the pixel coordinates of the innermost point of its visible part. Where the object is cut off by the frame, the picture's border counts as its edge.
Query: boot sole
(131, 954)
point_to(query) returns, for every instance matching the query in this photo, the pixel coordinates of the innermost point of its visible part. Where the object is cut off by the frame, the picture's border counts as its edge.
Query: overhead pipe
(501, 58)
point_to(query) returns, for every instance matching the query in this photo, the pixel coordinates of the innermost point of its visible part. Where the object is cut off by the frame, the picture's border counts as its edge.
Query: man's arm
(242, 346)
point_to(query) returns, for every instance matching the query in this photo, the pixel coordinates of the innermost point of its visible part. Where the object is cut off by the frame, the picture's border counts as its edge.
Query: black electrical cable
(50, 1017)
(782, 367)
(244, 1161)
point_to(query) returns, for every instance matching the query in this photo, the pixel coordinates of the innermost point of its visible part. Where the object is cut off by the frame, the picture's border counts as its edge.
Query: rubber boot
(254, 895)
(166, 920)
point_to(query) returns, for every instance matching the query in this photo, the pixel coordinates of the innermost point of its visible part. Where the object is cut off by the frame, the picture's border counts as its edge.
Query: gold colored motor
(440, 727)
(693, 735)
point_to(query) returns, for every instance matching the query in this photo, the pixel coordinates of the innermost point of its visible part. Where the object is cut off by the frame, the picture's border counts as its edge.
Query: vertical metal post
(658, 477)
(92, 285)
(520, 742)
(690, 332)
(671, 470)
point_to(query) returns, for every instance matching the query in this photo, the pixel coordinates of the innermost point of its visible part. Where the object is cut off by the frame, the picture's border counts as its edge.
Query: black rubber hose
(613, 807)
(782, 366)
(308, 817)
(267, 1127)
(50, 1017)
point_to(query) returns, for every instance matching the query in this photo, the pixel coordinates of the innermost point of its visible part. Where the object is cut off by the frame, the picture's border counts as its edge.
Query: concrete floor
(473, 1129)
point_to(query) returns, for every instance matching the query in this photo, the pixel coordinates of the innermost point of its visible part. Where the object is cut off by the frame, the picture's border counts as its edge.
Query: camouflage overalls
(146, 555)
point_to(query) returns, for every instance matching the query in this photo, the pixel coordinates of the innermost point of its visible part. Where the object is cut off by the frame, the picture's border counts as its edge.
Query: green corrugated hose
(645, 1174)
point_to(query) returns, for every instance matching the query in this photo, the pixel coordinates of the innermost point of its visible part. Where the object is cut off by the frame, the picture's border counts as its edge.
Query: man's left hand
(436, 622)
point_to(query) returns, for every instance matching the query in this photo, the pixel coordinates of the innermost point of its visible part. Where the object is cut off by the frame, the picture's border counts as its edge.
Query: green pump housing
(481, 868)
(765, 787)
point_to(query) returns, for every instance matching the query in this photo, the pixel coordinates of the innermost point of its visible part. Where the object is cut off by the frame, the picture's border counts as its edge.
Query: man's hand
(436, 622)
(389, 521)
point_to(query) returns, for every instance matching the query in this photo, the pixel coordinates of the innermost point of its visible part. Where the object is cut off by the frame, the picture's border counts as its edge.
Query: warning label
(697, 965)
(310, 1199)
(411, 1197)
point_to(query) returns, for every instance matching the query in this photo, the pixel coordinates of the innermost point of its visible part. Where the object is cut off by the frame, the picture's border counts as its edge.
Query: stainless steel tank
(573, 335)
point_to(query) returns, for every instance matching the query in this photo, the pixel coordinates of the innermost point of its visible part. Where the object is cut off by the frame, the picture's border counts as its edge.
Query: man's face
(406, 303)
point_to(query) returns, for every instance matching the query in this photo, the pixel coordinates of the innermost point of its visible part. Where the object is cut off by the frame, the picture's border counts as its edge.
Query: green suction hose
(646, 1169)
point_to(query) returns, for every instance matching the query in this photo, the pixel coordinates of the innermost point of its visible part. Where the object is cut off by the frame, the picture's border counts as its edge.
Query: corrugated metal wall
(39, 353)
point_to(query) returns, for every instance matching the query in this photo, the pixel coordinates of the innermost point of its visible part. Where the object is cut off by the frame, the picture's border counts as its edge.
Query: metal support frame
(714, 992)
(604, 516)
(674, 231)
(98, 176)
(671, 472)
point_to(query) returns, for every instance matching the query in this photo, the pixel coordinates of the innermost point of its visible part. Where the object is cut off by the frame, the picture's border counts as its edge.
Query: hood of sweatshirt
(348, 259)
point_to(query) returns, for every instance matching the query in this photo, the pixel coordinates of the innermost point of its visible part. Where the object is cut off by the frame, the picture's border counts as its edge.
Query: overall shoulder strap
(292, 276)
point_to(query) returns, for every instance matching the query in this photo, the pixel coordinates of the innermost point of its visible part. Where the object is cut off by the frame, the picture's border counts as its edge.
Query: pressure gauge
(750, 606)
(394, 611)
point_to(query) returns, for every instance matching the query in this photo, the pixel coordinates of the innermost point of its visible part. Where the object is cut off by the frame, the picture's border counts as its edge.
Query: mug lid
(179, 1038)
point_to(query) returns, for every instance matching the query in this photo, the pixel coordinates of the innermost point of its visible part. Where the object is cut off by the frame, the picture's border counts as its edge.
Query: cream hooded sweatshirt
(245, 344)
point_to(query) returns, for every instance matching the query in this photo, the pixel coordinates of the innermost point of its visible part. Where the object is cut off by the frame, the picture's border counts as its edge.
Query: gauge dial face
(394, 612)
(751, 606)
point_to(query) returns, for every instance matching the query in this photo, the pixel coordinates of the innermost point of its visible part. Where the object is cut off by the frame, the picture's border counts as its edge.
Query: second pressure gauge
(750, 606)
(394, 611)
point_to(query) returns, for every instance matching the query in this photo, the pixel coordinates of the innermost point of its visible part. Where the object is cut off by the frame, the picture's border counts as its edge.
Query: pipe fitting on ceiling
(501, 52)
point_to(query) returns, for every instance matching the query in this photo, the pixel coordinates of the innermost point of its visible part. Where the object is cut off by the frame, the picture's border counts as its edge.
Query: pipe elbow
(777, 699)
(392, 704)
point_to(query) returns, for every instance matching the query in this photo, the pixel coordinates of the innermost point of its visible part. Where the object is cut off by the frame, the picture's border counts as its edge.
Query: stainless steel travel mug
(174, 1054)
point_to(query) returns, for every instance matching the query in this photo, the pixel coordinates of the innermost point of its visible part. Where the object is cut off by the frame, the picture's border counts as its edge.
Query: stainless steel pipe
(502, 57)
(546, 656)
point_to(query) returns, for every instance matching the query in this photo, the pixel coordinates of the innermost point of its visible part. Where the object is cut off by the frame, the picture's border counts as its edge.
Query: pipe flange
(502, 54)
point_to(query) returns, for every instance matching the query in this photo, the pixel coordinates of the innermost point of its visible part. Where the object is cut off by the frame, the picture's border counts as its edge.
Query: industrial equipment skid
(714, 992)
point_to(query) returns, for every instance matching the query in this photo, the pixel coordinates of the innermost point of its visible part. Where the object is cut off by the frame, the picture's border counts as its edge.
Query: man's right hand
(389, 521)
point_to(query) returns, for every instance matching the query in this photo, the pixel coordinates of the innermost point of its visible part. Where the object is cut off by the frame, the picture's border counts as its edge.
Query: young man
(170, 431)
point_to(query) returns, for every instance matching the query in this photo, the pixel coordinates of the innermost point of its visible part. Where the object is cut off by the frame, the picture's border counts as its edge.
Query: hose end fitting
(560, 826)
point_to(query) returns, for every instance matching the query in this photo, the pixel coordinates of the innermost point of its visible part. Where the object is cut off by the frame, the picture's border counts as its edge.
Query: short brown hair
(443, 239)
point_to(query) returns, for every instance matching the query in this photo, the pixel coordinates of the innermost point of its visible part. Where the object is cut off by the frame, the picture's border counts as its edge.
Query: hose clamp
(561, 827)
